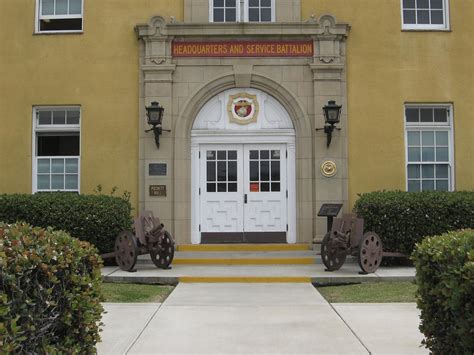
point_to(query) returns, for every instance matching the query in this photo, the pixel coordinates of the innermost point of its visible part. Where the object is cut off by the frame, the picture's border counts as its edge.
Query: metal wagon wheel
(126, 250)
(162, 256)
(332, 253)
(370, 252)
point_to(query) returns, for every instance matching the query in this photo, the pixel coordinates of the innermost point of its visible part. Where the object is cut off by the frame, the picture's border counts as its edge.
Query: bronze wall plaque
(157, 190)
(157, 169)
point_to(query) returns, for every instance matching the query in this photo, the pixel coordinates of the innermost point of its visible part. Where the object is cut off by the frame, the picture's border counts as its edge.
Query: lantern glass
(155, 114)
(332, 112)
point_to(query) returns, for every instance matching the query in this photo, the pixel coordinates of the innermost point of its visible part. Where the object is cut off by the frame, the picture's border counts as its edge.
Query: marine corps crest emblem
(242, 108)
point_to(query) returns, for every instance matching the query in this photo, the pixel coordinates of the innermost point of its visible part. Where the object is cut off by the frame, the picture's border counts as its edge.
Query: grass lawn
(378, 292)
(118, 292)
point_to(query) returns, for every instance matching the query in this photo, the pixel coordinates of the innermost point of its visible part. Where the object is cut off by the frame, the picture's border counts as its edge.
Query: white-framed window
(429, 147)
(56, 148)
(425, 14)
(241, 10)
(59, 16)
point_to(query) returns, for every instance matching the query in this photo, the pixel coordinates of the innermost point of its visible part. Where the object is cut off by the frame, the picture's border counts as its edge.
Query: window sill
(38, 33)
(426, 29)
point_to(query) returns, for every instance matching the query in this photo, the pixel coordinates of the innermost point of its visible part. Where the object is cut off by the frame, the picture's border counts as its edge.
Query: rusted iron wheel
(126, 250)
(162, 255)
(332, 253)
(370, 252)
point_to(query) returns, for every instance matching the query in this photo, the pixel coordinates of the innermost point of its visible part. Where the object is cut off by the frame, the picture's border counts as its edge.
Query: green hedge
(402, 219)
(50, 301)
(445, 278)
(94, 218)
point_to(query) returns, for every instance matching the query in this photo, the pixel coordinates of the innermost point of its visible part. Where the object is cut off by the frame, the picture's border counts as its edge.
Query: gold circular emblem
(328, 168)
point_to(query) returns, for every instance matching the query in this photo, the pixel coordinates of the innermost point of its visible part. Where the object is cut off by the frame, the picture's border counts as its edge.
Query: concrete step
(242, 247)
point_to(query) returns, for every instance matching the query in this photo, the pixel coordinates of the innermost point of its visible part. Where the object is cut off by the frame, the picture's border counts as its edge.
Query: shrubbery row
(93, 218)
(50, 300)
(402, 219)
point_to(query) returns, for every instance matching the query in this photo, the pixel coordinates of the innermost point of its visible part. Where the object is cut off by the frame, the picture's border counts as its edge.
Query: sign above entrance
(243, 49)
(243, 108)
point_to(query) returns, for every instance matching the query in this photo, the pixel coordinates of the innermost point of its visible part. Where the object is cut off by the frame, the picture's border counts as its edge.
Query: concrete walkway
(258, 318)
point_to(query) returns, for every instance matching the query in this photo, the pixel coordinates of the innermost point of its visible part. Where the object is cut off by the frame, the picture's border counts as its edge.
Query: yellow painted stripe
(242, 247)
(245, 261)
(240, 279)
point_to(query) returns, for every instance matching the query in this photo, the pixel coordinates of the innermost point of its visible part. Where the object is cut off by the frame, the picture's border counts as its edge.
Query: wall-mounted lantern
(332, 113)
(154, 114)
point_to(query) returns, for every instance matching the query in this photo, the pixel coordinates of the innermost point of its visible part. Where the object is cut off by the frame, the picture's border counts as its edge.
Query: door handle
(245, 198)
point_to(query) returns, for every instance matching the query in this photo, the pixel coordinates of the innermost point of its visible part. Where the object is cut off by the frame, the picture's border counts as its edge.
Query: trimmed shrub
(402, 219)
(50, 300)
(445, 278)
(96, 219)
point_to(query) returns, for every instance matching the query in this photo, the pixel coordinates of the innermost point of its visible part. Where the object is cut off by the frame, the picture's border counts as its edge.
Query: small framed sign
(157, 169)
(157, 190)
(329, 209)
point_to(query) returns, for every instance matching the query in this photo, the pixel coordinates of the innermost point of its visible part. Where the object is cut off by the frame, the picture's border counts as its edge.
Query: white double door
(243, 188)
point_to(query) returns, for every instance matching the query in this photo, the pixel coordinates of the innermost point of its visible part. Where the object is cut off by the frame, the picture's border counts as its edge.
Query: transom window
(425, 14)
(429, 148)
(59, 15)
(242, 10)
(56, 164)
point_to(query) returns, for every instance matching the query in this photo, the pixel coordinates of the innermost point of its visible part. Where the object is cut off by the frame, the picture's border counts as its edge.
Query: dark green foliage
(50, 301)
(402, 219)
(95, 219)
(445, 278)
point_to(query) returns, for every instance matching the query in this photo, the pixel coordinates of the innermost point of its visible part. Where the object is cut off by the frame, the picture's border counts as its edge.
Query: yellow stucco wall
(97, 69)
(388, 67)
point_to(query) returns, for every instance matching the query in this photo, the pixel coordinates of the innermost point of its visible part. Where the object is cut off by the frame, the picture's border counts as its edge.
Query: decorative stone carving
(328, 168)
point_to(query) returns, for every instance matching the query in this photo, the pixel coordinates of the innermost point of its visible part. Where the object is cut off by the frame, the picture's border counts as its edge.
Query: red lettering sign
(243, 49)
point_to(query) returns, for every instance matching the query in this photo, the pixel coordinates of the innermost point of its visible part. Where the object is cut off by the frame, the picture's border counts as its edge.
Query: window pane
(43, 182)
(426, 115)
(232, 171)
(275, 171)
(413, 138)
(266, 15)
(72, 166)
(44, 117)
(230, 15)
(427, 154)
(414, 154)
(427, 185)
(440, 115)
(275, 154)
(264, 186)
(47, 7)
(264, 154)
(232, 155)
(264, 171)
(71, 182)
(218, 15)
(423, 17)
(61, 7)
(211, 171)
(275, 186)
(57, 182)
(230, 3)
(254, 171)
(427, 171)
(232, 187)
(427, 138)
(221, 187)
(437, 17)
(59, 117)
(221, 155)
(254, 154)
(413, 171)
(211, 187)
(442, 138)
(442, 171)
(436, 4)
(412, 114)
(219, 3)
(253, 3)
(221, 171)
(211, 155)
(423, 4)
(73, 117)
(57, 166)
(442, 154)
(409, 4)
(75, 7)
(63, 145)
(413, 185)
(43, 166)
(409, 18)
(442, 185)
(266, 3)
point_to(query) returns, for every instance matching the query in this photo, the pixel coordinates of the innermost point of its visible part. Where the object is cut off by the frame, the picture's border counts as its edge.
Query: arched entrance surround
(300, 144)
